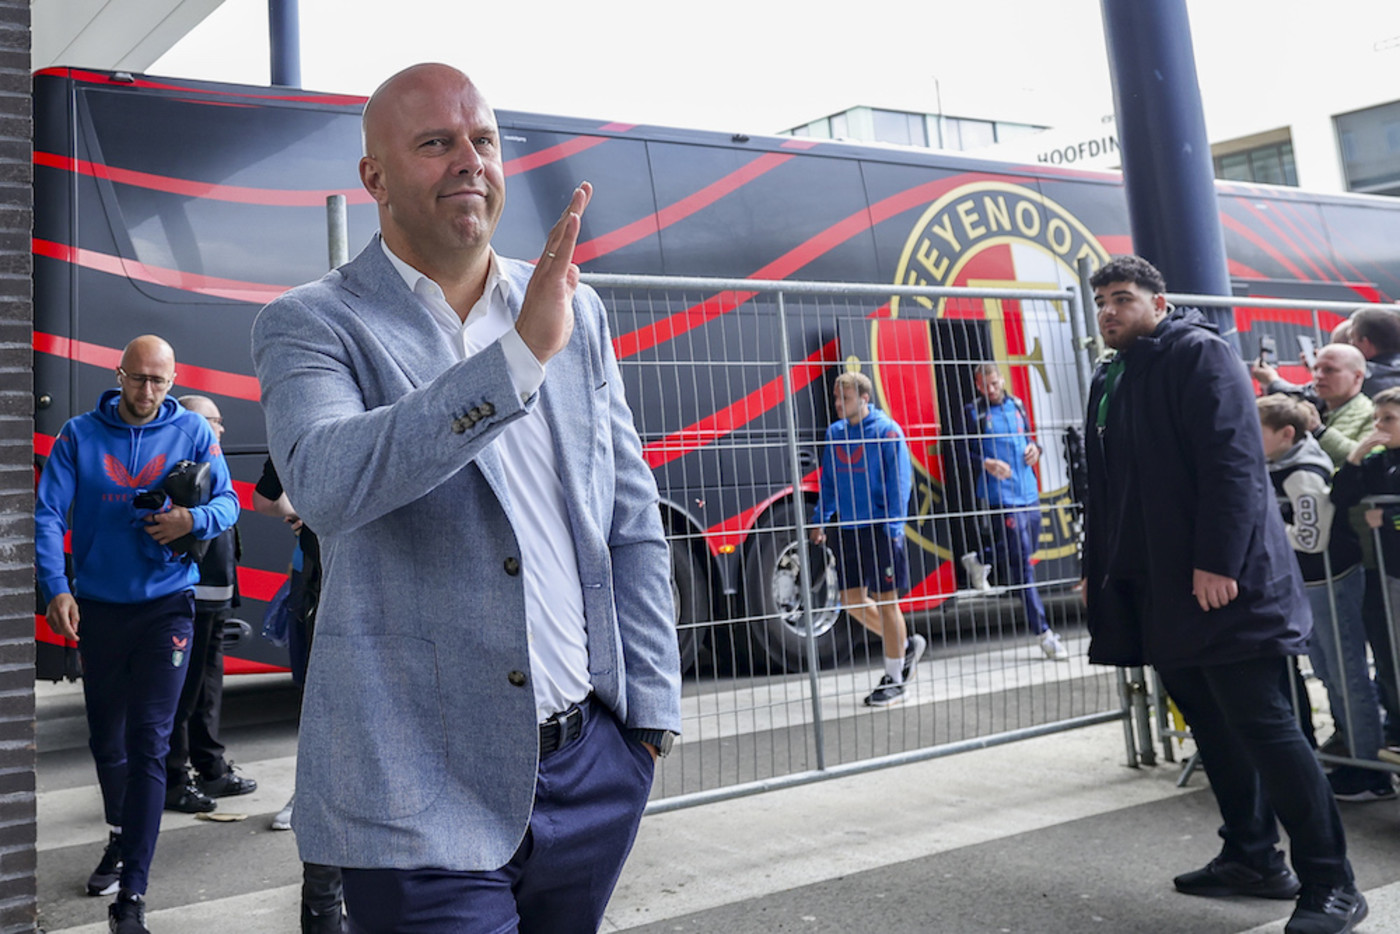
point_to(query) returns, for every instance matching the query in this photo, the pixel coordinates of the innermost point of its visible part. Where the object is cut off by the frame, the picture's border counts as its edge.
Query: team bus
(181, 207)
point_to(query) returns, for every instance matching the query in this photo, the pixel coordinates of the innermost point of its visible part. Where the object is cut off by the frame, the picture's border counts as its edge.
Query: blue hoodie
(97, 465)
(1000, 431)
(866, 473)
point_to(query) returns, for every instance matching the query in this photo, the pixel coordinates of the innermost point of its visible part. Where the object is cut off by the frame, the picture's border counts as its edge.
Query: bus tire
(690, 589)
(772, 598)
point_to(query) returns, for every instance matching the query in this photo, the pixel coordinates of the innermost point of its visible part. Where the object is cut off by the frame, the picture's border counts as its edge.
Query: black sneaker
(886, 694)
(912, 653)
(187, 797)
(127, 915)
(108, 874)
(1220, 879)
(228, 785)
(1327, 909)
(1357, 785)
(332, 922)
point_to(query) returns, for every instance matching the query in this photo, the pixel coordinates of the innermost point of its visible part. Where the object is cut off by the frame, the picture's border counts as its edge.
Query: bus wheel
(773, 589)
(690, 590)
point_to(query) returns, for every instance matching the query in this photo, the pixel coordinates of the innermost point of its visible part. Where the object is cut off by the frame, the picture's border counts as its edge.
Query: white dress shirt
(553, 593)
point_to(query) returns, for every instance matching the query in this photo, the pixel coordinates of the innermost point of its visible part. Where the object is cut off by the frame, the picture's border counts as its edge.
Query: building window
(1270, 165)
(893, 126)
(1370, 144)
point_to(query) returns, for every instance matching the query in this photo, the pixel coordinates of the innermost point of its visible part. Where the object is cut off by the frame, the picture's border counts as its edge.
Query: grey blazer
(419, 742)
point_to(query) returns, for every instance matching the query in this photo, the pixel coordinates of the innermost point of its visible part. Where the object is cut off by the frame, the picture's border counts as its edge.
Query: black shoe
(912, 653)
(1355, 784)
(108, 873)
(1220, 878)
(886, 694)
(127, 915)
(188, 798)
(1336, 745)
(228, 785)
(1327, 909)
(332, 922)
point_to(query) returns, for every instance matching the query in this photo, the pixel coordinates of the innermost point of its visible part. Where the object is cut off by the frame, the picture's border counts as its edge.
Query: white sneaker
(977, 572)
(1053, 648)
(282, 820)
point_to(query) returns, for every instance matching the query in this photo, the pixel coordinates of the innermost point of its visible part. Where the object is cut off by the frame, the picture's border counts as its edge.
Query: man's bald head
(146, 373)
(1339, 373)
(432, 163)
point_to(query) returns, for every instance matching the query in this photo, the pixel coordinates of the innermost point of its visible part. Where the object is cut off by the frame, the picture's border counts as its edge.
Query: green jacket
(1346, 426)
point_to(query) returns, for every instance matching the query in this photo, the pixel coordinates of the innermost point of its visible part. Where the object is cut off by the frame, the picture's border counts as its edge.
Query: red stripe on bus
(552, 154)
(179, 186)
(732, 531)
(679, 211)
(711, 428)
(219, 382)
(261, 585)
(233, 665)
(256, 292)
(644, 338)
(1299, 250)
(1232, 224)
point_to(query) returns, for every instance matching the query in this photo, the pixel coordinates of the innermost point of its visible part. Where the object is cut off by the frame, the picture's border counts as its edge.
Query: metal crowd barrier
(730, 384)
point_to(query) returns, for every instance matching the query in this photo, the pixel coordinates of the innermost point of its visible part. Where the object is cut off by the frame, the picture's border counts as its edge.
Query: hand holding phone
(1307, 350)
(1268, 350)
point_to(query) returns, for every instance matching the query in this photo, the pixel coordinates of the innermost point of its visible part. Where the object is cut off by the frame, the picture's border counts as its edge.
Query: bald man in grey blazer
(495, 667)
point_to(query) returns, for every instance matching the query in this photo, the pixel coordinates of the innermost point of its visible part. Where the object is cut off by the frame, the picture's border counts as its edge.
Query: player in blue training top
(1003, 456)
(866, 482)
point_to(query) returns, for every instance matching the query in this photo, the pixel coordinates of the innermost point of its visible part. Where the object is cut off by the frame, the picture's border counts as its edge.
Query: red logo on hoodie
(147, 475)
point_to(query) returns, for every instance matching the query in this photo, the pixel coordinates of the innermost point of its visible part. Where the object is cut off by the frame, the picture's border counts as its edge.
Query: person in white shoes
(1003, 456)
(867, 479)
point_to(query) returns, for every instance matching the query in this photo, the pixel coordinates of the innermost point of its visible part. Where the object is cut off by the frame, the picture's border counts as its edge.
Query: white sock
(894, 667)
(115, 830)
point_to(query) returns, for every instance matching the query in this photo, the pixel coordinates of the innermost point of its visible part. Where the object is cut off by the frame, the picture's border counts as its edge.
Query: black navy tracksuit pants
(135, 656)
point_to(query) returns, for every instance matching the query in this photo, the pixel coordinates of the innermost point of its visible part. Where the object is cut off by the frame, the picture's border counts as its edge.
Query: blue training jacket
(1000, 431)
(97, 465)
(866, 473)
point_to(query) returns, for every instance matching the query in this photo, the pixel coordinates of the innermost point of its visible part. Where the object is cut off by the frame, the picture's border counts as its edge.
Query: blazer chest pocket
(375, 730)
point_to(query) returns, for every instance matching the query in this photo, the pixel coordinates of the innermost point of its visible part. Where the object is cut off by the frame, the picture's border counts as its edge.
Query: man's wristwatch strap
(663, 740)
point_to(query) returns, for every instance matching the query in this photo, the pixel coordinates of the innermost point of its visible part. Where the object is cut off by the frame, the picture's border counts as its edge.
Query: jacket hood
(107, 412)
(1305, 453)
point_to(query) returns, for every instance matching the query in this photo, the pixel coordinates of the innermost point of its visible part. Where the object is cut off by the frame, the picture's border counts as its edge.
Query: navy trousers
(194, 740)
(135, 656)
(1014, 539)
(589, 797)
(1259, 766)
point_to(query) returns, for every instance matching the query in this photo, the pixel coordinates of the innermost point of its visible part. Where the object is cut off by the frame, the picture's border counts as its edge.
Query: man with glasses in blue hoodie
(131, 604)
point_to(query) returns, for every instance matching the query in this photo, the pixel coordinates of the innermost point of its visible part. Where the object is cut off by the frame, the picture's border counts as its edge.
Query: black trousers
(195, 737)
(1261, 769)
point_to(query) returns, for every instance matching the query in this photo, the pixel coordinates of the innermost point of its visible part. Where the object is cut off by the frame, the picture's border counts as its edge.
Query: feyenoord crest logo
(989, 234)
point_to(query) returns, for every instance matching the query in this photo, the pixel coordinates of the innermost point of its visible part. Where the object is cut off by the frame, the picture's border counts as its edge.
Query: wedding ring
(550, 255)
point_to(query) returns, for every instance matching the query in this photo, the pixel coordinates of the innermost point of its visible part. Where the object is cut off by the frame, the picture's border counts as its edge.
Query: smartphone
(1308, 348)
(1268, 350)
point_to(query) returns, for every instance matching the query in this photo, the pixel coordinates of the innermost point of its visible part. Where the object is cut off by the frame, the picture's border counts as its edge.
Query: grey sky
(757, 66)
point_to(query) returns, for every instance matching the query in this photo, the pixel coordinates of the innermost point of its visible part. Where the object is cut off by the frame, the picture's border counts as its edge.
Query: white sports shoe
(1053, 648)
(977, 572)
(282, 820)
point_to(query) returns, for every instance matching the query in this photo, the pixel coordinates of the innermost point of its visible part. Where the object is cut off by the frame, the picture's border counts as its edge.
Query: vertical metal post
(800, 511)
(1126, 693)
(1076, 323)
(284, 42)
(1337, 654)
(1138, 683)
(337, 231)
(1167, 170)
(1389, 610)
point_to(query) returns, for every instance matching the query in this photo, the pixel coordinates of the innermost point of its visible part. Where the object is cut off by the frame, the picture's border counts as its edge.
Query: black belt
(563, 728)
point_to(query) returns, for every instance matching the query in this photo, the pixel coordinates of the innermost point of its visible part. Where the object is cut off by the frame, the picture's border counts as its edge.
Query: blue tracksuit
(1001, 433)
(866, 473)
(135, 599)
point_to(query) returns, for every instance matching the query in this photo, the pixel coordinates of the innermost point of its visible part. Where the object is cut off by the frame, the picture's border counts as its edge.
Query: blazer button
(512, 566)
(516, 678)
(487, 410)
(459, 425)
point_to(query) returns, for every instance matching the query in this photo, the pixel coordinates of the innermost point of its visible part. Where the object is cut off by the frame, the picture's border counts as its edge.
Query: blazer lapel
(404, 328)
